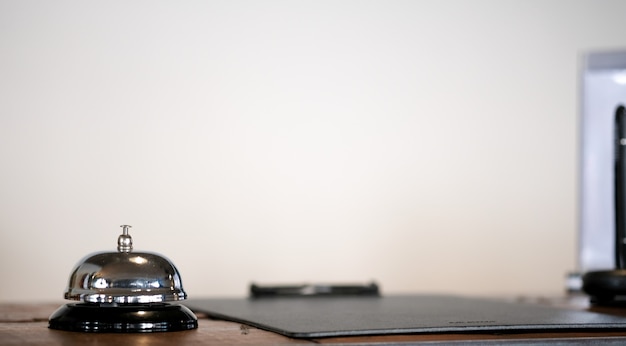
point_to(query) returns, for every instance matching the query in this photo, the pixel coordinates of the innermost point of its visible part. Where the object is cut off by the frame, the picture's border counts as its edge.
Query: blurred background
(431, 146)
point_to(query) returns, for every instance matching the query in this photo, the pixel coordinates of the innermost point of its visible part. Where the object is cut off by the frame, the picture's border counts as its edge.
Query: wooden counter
(27, 324)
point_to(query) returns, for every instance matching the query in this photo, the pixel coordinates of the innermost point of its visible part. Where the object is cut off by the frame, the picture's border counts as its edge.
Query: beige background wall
(429, 145)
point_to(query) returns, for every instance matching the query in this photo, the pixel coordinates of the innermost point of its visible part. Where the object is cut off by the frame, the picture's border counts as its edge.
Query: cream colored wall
(429, 145)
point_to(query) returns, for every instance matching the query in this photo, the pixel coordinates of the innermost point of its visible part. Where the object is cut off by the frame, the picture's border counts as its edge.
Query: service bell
(124, 291)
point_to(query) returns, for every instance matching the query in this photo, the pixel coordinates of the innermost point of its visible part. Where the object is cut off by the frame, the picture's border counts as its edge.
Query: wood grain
(27, 324)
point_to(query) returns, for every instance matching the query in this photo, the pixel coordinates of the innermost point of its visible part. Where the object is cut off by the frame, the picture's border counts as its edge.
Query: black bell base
(606, 287)
(135, 318)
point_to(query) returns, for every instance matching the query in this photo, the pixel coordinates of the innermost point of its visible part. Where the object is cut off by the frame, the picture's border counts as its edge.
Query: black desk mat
(313, 317)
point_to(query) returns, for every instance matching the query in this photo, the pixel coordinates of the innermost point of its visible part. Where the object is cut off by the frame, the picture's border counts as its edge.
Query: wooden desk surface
(27, 324)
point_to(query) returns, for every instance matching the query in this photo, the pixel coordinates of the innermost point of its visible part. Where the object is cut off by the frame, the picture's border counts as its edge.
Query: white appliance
(603, 90)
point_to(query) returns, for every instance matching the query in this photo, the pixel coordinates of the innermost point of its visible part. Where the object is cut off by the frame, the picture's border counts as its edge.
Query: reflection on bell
(124, 292)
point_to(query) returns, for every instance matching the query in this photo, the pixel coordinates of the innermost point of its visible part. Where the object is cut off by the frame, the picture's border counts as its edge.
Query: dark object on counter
(338, 316)
(306, 290)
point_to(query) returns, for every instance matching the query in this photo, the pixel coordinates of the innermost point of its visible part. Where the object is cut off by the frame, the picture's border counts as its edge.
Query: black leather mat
(310, 317)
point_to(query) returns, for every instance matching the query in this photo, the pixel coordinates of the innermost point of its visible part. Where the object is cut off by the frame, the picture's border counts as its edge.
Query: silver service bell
(124, 291)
